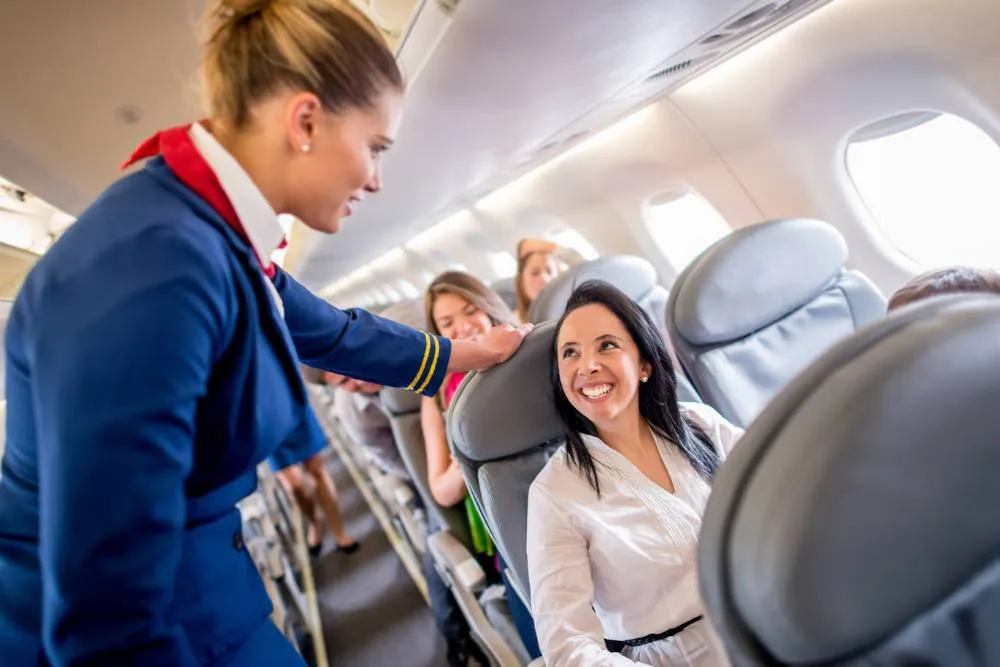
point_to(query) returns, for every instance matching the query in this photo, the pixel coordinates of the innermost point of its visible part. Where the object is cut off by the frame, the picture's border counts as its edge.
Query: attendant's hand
(497, 346)
(502, 341)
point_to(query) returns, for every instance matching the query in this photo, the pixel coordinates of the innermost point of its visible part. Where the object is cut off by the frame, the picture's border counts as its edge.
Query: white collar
(255, 213)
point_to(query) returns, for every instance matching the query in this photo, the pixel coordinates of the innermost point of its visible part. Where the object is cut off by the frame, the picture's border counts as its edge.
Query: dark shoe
(466, 653)
(315, 549)
(348, 549)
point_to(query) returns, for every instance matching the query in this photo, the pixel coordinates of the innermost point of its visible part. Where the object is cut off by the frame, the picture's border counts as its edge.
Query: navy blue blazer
(148, 373)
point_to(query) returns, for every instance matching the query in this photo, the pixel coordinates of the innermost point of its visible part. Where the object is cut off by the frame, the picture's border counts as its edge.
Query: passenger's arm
(443, 475)
(562, 589)
(121, 355)
(569, 256)
(367, 347)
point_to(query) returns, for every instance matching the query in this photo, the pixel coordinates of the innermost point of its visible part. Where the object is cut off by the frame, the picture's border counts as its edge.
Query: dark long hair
(657, 397)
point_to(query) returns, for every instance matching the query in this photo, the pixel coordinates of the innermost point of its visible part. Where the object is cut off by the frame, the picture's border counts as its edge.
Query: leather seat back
(760, 305)
(503, 427)
(855, 522)
(505, 289)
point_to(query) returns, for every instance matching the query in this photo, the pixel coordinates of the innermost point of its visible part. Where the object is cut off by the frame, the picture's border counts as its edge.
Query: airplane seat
(503, 427)
(632, 275)
(506, 290)
(403, 408)
(854, 522)
(449, 542)
(759, 305)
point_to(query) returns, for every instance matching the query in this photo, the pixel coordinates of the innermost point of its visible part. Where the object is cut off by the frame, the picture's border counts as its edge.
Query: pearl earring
(644, 378)
(306, 148)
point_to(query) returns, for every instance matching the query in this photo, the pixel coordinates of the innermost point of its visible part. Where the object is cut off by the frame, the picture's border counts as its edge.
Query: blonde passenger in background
(538, 262)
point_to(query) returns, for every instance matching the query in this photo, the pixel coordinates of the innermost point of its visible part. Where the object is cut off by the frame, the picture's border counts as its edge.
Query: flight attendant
(153, 353)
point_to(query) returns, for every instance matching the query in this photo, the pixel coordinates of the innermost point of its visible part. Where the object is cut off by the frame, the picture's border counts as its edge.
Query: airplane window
(408, 289)
(683, 224)
(931, 187)
(391, 293)
(503, 264)
(570, 238)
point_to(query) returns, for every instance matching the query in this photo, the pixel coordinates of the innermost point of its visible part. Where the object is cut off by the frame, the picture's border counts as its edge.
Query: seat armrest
(452, 555)
(401, 492)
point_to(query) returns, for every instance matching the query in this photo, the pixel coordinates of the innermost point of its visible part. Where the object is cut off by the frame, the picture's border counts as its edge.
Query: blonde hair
(474, 291)
(471, 289)
(523, 301)
(254, 48)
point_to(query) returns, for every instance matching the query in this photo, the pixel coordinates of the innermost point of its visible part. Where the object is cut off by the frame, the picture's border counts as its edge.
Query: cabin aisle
(373, 614)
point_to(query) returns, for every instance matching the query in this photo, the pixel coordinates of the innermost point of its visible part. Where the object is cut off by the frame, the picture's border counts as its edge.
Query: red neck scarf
(189, 166)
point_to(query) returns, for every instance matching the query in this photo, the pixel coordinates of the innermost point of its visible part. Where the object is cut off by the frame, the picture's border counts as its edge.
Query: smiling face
(599, 366)
(343, 162)
(539, 270)
(459, 319)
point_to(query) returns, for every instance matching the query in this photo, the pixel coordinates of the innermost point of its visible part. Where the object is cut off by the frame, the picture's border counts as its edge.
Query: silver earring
(306, 148)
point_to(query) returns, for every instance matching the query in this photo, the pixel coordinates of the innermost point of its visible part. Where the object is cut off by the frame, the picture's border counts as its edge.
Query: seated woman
(613, 518)
(950, 280)
(538, 262)
(461, 307)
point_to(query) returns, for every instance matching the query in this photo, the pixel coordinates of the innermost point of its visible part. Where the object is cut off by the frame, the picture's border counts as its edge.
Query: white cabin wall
(780, 114)
(762, 136)
(600, 187)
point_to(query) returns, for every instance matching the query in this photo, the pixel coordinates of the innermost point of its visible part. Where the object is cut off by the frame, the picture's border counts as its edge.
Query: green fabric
(481, 541)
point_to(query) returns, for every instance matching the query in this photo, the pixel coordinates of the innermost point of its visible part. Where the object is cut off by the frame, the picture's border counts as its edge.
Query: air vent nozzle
(670, 70)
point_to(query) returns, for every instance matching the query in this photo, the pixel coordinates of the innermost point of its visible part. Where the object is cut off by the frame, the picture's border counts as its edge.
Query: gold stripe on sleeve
(433, 368)
(423, 364)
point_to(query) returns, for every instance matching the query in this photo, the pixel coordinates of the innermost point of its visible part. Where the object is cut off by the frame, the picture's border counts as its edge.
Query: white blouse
(621, 566)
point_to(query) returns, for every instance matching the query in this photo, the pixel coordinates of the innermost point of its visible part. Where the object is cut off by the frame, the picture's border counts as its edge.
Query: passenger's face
(599, 365)
(539, 269)
(459, 319)
(343, 163)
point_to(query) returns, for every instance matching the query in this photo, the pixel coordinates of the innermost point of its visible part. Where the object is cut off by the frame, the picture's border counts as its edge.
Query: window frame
(893, 123)
(669, 195)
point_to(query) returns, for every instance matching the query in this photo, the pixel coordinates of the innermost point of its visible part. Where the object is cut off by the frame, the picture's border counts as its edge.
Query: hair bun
(234, 10)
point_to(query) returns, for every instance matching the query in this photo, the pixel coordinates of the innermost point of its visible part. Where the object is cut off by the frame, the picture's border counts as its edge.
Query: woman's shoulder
(705, 415)
(722, 432)
(561, 479)
(553, 473)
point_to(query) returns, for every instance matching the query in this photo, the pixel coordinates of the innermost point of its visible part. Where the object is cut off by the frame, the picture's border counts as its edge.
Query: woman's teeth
(596, 392)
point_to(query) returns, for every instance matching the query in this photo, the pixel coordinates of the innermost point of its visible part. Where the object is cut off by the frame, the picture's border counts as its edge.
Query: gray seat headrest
(399, 401)
(507, 291)
(862, 501)
(755, 276)
(480, 426)
(632, 275)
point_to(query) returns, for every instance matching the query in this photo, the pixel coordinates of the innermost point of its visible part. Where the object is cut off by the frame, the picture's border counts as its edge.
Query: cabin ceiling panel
(506, 79)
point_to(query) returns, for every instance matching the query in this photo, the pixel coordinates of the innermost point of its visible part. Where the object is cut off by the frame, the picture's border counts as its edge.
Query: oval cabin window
(929, 181)
(683, 224)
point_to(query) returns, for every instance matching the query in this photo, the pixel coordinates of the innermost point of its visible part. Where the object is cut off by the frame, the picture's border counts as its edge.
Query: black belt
(616, 646)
